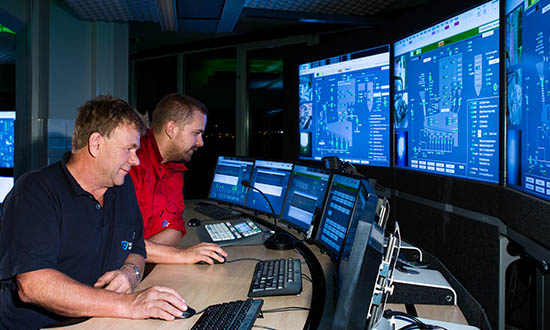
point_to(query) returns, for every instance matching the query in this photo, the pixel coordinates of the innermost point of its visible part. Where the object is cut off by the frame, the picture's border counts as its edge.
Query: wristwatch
(136, 270)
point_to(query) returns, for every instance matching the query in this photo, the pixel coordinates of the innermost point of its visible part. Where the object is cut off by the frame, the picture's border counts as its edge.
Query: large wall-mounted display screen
(528, 102)
(7, 123)
(345, 107)
(446, 100)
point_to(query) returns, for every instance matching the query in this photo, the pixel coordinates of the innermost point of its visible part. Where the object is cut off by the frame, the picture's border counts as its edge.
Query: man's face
(188, 138)
(119, 154)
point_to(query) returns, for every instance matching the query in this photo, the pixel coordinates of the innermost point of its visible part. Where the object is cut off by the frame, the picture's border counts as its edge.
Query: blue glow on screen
(228, 176)
(345, 107)
(271, 178)
(446, 81)
(528, 104)
(7, 122)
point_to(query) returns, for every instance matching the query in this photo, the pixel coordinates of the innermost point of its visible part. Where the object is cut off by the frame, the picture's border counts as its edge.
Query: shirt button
(97, 206)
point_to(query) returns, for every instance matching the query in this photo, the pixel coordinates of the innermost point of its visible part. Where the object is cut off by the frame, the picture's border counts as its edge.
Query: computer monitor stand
(421, 286)
(411, 252)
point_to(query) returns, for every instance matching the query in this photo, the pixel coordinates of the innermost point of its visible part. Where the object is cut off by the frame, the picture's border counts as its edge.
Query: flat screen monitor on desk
(365, 210)
(306, 194)
(447, 97)
(226, 185)
(528, 76)
(270, 177)
(345, 107)
(337, 213)
(359, 268)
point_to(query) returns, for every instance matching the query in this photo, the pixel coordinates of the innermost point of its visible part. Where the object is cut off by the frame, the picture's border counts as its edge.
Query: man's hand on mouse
(203, 252)
(155, 302)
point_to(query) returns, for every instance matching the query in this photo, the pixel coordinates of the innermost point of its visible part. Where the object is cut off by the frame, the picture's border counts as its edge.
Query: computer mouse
(216, 262)
(194, 222)
(188, 313)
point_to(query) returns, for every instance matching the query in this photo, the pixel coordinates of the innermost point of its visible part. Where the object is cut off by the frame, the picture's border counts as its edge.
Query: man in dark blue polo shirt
(71, 235)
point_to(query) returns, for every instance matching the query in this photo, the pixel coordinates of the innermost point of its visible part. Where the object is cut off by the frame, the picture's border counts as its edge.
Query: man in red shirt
(176, 132)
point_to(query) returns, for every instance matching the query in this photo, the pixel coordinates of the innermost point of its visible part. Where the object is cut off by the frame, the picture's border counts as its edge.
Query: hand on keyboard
(206, 252)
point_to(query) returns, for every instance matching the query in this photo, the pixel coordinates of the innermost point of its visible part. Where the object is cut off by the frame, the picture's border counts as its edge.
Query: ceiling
(163, 23)
(157, 23)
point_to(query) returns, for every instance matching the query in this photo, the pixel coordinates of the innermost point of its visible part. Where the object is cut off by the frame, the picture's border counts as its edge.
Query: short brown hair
(103, 114)
(177, 108)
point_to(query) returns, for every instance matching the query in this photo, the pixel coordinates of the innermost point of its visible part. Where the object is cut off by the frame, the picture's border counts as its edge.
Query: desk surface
(204, 285)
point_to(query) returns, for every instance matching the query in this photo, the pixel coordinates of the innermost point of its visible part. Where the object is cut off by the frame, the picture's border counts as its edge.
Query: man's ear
(171, 129)
(95, 141)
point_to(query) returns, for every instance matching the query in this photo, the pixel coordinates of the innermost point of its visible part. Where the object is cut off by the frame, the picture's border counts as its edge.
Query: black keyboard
(276, 277)
(234, 315)
(215, 212)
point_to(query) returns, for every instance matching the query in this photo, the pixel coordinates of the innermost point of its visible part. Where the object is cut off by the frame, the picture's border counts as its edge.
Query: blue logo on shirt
(165, 223)
(125, 245)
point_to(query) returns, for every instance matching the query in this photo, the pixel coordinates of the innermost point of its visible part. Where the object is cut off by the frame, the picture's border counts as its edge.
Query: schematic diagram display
(7, 121)
(446, 81)
(344, 108)
(226, 185)
(528, 104)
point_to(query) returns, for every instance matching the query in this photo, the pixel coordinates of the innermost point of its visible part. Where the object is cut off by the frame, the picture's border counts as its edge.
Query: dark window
(210, 77)
(265, 97)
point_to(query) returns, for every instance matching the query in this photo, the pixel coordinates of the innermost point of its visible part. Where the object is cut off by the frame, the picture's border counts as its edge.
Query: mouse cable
(201, 311)
(285, 309)
(307, 278)
(242, 259)
(300, 241)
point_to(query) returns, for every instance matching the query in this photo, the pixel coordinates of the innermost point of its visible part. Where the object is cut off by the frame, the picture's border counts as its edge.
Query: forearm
(161, 248)
(162, 254)
(62, 295)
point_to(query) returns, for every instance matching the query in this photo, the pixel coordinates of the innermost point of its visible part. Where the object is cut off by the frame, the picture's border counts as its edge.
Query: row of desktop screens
(346, 229)
(446, 105)
(297, 193)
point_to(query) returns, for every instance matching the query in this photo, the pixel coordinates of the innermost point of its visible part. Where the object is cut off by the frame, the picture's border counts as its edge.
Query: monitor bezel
(260, 212)
(8, 171)
(502, 78)
(521, 189)
(222, 202)
(388, 47)
(353, 302)
(334, 256)
(289, 223)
